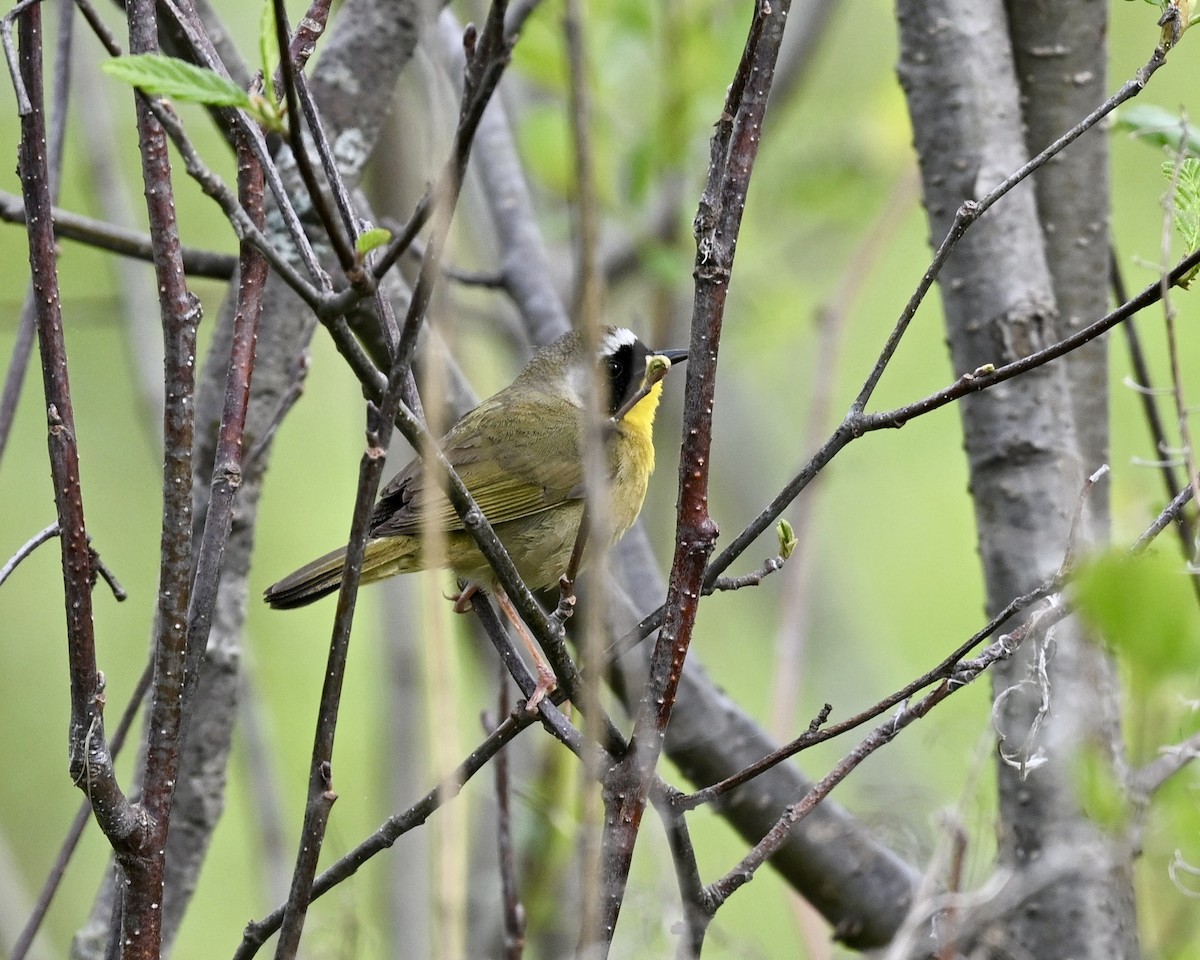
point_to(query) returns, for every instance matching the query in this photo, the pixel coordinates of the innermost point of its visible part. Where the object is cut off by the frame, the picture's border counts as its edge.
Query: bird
(520, 454)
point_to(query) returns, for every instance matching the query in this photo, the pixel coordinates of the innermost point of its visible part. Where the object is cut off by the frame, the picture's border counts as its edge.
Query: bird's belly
(540, 547)
(541, 544)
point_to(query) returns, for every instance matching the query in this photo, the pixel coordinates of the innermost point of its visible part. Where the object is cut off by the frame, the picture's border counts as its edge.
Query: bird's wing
(516, 457)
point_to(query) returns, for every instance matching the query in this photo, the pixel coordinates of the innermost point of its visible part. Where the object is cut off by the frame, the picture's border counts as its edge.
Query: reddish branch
(227, 464)
(91, 766)
(90, 760)
(75, 831)
(734, 148)
(180, 311)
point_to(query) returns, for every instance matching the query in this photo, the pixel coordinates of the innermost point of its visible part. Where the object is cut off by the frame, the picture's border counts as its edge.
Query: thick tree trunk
(1027, 456)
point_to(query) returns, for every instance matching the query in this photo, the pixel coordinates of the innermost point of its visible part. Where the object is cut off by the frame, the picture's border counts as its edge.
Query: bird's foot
(547, 681)
(462, 601)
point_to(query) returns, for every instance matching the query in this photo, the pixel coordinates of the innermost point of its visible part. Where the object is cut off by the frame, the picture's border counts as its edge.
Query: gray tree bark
(1029, 444)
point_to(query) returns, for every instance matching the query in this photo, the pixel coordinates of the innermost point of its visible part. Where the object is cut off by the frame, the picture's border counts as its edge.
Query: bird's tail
(384, 557)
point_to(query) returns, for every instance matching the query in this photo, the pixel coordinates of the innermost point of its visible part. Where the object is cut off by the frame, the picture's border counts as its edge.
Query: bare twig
(90, 760)
(972, 210)
(180, 313)
(227, 470)
(333, 230)
(120, 240)
(24, 105)
(514, 910)
(1182, 421)
(752, 579)
(1167, 516)
(1145, 390)
(84, 814)
(817, 731)
(733, 151)
(27, 548)
(107, 575)
(696, 911)
(18, 362)
(1149, 779)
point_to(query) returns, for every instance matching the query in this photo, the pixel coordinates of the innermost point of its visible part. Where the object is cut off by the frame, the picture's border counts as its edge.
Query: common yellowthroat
(519, 453)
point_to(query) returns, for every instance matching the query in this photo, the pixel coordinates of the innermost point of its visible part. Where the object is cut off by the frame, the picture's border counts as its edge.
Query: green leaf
(1186, 199)
(1158, 127)
(267, 113)
(177, 80)
(787, 538)
(268, 49)
(1100, 791)
(1145, 608)
(370, 239)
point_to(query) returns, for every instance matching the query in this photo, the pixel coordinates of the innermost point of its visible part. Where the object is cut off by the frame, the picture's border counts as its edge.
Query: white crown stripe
(615, 339)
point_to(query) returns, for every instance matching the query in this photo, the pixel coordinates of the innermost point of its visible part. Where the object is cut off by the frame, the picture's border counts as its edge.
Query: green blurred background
(891, 580)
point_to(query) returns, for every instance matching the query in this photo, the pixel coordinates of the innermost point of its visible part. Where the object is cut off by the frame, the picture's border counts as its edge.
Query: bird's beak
(675, 356)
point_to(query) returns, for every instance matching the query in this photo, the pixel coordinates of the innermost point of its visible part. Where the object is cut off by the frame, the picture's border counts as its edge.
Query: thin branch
(227, 472)
(394, 827)
(552, 718)
(18, 362)
(1145, 390)
(106, 574)
(818, 732)
(27, 549)
(1148, 780)
(120, 240)
(972, 210)
(514, 910)
(180, 313)
(1182, 421)
(202, 49)
(718, 219)
(24, 104)
(1169, 515)
(752, 579)
(316, 196)
(82, 816)
(693, 896)
(90, 760)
